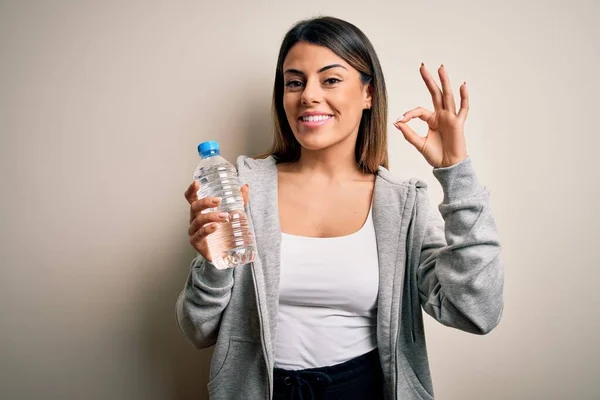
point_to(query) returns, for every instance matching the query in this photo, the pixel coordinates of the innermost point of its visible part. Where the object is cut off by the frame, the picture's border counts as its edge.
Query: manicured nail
(422, 64)
(224, 215)
(399, 119)
(441, 65)
(216, 200)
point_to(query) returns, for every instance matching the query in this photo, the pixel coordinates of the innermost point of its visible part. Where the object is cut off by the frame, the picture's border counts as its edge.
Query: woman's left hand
(444, 144)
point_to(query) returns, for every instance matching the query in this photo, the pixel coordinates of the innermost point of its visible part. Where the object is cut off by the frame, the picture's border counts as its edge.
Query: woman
(348, 256)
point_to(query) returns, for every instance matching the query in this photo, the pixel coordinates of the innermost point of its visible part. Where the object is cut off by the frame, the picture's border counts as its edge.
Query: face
(323, 97)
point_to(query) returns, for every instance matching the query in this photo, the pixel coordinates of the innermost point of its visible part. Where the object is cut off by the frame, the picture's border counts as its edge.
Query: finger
(411, 136)
(202, 233)
(203, 204)
(191, 194)
(422, 113)
(434, 89)
(464, 102)
(245, 193)
(204, 219)
(447, 95)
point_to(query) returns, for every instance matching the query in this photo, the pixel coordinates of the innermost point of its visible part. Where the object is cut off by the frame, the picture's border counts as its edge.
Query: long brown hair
(353, 46)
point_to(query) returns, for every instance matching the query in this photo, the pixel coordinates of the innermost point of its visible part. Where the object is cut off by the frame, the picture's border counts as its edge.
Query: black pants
(358, 379)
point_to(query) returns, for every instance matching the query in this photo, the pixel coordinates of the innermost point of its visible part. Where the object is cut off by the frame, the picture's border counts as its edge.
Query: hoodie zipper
(412, 313)
(260, 313)
(262, 333)
(410, 269)
(408, 277)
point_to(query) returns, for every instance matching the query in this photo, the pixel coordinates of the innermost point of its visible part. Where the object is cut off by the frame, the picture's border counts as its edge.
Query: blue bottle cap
(207, 149)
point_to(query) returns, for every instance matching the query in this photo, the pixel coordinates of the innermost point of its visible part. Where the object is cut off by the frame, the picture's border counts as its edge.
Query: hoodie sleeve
(201, 303)
(460, 276)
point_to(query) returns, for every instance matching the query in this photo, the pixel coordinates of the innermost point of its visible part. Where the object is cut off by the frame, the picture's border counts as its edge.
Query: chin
(315, 141)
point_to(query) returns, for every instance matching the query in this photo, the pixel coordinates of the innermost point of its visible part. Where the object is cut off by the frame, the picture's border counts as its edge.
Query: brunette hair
(353, 46)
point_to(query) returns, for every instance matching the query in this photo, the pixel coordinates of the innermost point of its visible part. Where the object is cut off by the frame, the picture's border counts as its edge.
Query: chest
(339, 273)
(323, 212)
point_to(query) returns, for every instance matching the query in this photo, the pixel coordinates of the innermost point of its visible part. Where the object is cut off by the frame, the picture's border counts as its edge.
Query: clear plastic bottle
(232, 244)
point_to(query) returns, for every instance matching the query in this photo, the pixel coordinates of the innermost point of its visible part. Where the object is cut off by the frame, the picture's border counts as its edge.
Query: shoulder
(249, 165)
(246, 163)
(388, 178)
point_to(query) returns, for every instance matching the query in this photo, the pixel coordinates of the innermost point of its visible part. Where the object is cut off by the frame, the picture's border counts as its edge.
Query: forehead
(310, 57)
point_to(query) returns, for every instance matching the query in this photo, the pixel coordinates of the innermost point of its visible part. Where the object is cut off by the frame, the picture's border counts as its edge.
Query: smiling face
(323, 97)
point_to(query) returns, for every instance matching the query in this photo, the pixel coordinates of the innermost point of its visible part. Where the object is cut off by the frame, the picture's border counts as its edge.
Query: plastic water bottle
(232, 244)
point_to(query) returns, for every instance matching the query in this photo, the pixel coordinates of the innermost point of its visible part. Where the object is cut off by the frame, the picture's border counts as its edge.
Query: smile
(315, 118)
(314, 121)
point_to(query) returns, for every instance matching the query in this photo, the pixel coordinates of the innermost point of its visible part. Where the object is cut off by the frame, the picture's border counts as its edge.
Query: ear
(368, 95)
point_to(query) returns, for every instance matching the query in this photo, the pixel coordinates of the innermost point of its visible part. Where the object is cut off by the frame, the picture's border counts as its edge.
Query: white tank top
(327, 299)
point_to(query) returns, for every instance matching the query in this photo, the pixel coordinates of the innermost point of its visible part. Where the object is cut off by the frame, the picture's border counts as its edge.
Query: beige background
(102, 105)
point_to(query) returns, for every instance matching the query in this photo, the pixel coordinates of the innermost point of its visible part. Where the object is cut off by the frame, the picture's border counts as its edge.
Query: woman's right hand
(202, 225)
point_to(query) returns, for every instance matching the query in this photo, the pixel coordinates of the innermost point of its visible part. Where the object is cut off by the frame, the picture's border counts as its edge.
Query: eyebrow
(325, 68)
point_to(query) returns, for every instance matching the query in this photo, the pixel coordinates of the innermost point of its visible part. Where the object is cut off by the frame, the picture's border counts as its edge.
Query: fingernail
(224, 215)
(399, 119)
(441, 65)
(216, 200)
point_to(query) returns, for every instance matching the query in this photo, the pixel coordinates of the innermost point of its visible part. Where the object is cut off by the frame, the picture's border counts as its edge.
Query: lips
(314, 121)
(315, 118)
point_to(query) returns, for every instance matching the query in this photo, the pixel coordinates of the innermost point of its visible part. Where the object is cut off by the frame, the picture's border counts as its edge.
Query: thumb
(191, 194)
(245, 192)
(411, 136)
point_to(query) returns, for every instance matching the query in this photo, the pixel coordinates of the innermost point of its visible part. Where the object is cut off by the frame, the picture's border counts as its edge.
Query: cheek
(349, 105)
(289, 106)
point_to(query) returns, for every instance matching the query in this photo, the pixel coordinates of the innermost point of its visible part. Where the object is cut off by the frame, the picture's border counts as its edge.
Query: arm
(201, 304)
(460, 275)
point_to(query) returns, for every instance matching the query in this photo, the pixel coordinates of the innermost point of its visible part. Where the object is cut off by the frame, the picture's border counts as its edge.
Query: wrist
(452, 161)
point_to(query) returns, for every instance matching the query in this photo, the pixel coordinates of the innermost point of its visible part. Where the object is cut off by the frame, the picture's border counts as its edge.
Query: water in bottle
(232, 244)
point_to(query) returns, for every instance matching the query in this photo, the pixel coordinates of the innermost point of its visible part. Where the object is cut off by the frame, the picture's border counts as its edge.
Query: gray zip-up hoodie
(449, 268)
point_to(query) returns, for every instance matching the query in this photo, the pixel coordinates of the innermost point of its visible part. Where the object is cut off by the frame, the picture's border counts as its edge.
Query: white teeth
(316, 118)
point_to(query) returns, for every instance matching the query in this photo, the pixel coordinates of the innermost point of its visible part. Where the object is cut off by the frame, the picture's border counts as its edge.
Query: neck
(334, 163)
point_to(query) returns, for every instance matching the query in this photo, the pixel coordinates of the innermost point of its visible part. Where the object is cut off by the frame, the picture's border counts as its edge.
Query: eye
(293, 84)
(332, 81)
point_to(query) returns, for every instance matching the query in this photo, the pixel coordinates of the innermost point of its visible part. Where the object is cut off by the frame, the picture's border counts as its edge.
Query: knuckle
(203, 232)
(198, 222)
(209, 228)
(205, 203)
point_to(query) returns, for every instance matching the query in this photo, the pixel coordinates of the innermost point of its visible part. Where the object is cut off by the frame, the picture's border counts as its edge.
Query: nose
(312, 92)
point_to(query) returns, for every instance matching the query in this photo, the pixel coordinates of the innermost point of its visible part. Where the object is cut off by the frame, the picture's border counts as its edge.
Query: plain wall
(103, 102)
